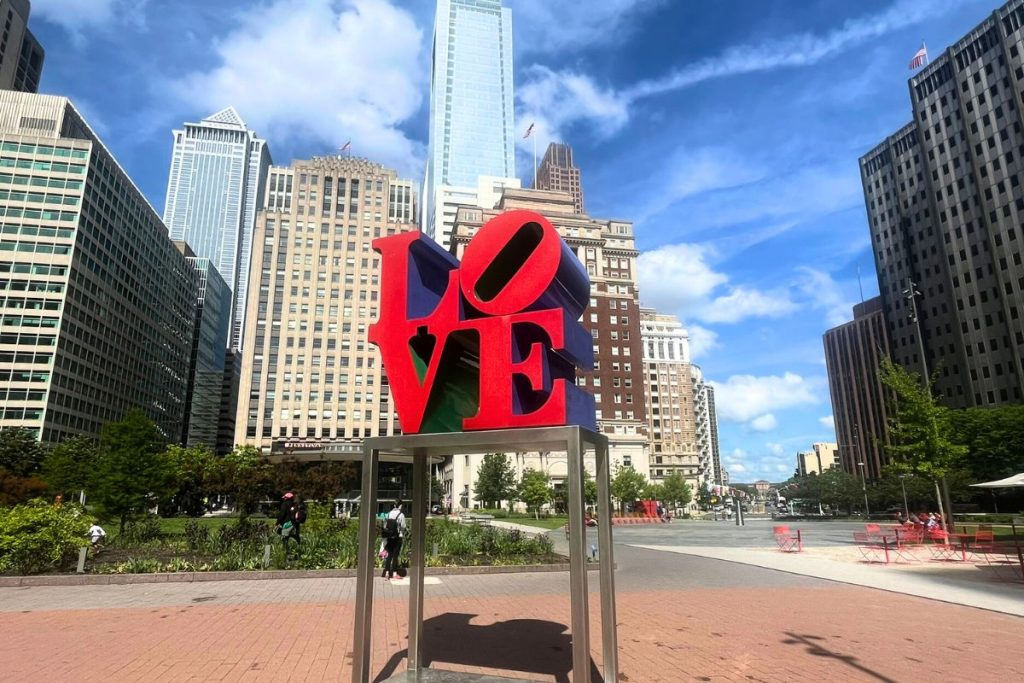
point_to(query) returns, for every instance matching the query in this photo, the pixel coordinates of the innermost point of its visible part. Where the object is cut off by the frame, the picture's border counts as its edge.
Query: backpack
(300, 514)
(390, 528)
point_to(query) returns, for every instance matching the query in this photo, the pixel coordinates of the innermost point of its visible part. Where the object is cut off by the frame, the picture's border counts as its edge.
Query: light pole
(903, 486)
(864, 487)
(910, 294)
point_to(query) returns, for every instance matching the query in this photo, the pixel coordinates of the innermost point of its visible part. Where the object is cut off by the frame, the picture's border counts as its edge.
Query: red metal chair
(872, 529)
(1004, 560)
(786, 540)
(872, 548)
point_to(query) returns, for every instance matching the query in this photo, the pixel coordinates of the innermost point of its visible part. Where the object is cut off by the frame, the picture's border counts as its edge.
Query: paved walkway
(681, 618)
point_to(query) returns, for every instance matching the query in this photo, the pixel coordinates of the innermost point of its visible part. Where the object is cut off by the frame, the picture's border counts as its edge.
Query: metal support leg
(366, 566)
(418, 517)
(577, 563)
(609, 641)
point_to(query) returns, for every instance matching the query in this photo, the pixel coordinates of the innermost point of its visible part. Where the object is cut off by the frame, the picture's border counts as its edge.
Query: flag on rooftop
(920, 58)
(347, 146)
(529, 132)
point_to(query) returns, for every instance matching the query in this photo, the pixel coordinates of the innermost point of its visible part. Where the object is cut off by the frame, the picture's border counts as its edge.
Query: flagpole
(535, 161)
(925, 46)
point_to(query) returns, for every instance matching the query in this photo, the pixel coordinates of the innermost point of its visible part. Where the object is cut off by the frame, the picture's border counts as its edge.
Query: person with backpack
(394, 526)
(290, 519)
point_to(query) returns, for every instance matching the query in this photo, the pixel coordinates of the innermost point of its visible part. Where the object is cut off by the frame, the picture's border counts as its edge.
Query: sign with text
(489, 343)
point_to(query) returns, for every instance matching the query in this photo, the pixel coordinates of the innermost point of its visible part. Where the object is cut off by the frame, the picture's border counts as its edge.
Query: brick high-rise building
(97, 305)
(309, 378)
(671, 409)
(946, 212)
(557, 172)
(853, 354)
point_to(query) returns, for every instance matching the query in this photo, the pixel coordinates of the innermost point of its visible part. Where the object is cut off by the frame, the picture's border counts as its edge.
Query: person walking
(290, 519)
(96, 537)
(394, 526)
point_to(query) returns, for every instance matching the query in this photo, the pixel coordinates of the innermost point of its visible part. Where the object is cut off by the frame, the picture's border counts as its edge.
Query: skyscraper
(21, 55)
(706, 427)
(671, 409)
(217, 178)
(309, 378)
(557, 172)
(471, 114)
(97, 307)
(209, 339)
(853, 354)
(946, 212)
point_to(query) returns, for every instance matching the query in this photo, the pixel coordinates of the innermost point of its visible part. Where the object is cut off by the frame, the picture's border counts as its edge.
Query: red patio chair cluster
(787, 541)
(1004, 560)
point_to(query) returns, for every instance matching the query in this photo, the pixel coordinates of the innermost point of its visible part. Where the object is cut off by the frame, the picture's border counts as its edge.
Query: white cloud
(571, 94)
(742, 398)
(828, 422)
(825, 294)
(678, 278)
(775, 449)
(702, 340)
(560, 26)
(78, 16)
(736, 468)
(764, 423)
(320, 71)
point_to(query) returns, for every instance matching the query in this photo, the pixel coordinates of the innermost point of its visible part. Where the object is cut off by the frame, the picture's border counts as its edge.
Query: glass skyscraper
(471, 115)
(217, 178)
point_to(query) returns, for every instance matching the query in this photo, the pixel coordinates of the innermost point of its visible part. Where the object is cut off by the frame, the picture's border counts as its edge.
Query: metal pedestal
(574, 441)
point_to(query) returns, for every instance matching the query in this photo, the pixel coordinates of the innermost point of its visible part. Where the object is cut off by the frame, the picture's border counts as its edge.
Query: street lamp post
(911, 293)
(903, 486)
(864, 487)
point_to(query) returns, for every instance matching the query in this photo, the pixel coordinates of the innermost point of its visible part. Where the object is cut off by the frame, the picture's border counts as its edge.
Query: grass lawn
(1001, 533)
(553, 522)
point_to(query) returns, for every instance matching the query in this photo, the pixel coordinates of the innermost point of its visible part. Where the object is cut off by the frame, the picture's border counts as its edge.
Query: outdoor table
(962, 540)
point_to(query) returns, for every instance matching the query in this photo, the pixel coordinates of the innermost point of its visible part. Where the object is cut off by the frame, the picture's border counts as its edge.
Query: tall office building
(821, 457)
(607, 250)
(21, 55)
(706, 423)
(215, 187)
(309, 378)
(96, 305)
(448, 198)
(671, 410)
(853, 353)
(946, 212)
(209, 338)
(471, 113)
(557, 172)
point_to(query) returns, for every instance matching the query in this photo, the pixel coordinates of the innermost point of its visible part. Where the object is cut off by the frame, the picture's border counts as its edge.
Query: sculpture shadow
(815, 645)
(528, 646)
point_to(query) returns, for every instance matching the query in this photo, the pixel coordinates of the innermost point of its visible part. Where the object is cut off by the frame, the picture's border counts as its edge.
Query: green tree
(654, 492)
(133, 472)
(21, 454)
(246, 477)
(920, 429)
(535, 490)
(994, 438)
(496, 480)
(589, 488)
(436, 490)
(69, 465)
(196, 474)
(676, 491)
(839, 489)
(627, 485)
(326, 481)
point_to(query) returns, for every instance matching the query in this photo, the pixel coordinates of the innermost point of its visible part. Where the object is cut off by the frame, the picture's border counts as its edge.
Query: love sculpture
(491, 343)
(481, 357)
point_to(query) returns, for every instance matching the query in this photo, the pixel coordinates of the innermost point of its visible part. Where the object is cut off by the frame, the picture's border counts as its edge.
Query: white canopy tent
(1009, 482)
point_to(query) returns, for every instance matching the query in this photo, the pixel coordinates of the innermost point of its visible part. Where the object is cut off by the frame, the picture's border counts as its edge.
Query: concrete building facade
(853, 354)
(607, 250)
(309, 379)
(668, 389)
(557, 172)
(706, 425)
(215, 187)
(822, 456)
(448, 199)
(946, 212)
(97, 305)
(21, 55)
(472, 118)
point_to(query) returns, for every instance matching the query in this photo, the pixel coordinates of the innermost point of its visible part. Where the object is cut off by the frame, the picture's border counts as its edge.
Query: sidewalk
(948, 582)
(681, 618)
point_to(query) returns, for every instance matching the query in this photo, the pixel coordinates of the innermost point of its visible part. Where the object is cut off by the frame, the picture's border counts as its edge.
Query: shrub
(197, 536)
(38, 537)
(141, 531)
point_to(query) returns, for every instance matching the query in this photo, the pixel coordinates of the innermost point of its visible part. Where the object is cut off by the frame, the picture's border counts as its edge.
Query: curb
(269, 575)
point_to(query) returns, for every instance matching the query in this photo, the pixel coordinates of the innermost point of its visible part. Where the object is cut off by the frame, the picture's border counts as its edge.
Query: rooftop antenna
(860, 284)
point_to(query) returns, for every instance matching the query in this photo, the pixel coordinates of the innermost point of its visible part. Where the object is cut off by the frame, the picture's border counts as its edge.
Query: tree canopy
(496, 480)
(535, 489)
(627, 485)
(675, 491)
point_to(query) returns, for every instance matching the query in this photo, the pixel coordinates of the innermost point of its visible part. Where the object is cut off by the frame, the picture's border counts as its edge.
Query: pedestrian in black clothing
(394, 525)
(290, 519)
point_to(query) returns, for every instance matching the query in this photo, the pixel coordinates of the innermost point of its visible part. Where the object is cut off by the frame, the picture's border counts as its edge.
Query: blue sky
(729, 131)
